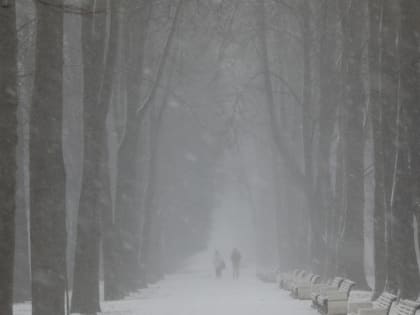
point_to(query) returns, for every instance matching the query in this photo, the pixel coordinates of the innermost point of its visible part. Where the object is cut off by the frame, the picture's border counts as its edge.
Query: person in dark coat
(219, 264)
(235, 258)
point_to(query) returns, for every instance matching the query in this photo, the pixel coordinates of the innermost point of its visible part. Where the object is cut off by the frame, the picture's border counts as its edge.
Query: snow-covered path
(194, 291)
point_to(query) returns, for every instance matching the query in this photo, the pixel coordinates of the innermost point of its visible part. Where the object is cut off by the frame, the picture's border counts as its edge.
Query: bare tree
(95, 184)
(47, 176)
(8, 143)
(352, 244)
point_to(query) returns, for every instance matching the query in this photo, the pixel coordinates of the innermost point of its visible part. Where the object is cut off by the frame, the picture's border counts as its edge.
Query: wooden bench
(381, 306)
(302, 290)
(319, 289)
(334, 302)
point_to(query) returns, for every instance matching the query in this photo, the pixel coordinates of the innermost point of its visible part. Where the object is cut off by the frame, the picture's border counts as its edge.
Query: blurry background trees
(148, 131)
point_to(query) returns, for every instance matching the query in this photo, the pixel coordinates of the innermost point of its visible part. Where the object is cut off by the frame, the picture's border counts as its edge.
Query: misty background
(138, 134)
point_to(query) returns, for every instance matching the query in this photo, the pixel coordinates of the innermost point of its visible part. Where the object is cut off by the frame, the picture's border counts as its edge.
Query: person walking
(219, 264)
(235, 258)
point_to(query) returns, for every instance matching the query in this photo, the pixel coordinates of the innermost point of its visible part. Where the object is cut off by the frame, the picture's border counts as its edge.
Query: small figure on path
(235, 257)
(219, 264)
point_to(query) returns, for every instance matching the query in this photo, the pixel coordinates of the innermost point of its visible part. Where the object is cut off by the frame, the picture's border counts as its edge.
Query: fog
(209, 156)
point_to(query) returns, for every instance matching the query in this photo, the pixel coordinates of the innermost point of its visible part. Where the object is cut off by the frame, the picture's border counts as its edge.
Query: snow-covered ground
(194, 291)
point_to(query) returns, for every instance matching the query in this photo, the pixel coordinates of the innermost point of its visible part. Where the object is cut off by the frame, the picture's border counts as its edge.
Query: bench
(335, 302)
(284, 277)
(306, 278)
(297, 279)
(302, 290)
(287, 283)
(405, 307)
(380, 306)
(319, 289)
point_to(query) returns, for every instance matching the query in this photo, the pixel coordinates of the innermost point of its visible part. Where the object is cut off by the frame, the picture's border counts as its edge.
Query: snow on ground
(195, 291)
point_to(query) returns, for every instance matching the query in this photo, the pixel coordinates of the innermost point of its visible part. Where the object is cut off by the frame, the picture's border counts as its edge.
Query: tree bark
(352, 250)
(47, 175)
(128, 217)
(389, 91)
(375, 82)
(151, 273)
(95, 187)
(325, 249)
(408, 205)
(8, 143)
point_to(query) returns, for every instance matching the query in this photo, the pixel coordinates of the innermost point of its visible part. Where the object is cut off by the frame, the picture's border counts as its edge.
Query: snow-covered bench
(305, 278)
(404, 307)
(286, 278)
(334, 302)
(322, 288)
(300, 276)
(380, 306)
(302, 290)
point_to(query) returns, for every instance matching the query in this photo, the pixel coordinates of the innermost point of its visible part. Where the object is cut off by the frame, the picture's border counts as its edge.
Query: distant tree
(8, 143)
(47, 176)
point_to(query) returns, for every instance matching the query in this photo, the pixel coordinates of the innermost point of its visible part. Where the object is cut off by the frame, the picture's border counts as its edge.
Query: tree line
(336, 80)
(127, 57)
(357, 112)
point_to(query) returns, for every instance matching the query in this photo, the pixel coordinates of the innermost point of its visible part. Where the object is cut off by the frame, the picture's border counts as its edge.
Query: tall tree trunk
(47, 175)
(375, 58)
(273, 124)
(410, 190)
(149, 217)
(317, 247)
(389, 102)
(22, 276)
(8, 143)
(352, 251)
(403, 215)
(327, 118)
(97, 99)
(128, 217)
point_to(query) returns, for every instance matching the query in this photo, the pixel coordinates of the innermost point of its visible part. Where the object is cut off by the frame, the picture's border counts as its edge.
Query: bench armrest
(336, 296)
(327, 290)
(372, 311)
(353, 307)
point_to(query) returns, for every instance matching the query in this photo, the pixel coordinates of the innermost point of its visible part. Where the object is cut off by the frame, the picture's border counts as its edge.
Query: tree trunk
(128, 217)
(389, 102)
(403, 215)
(22, 275)
(408, 206)
(97, 99)
(375, 58)
(352, 251)
(151, 273)
(8, 143)
(47, 175)
(327, 119)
